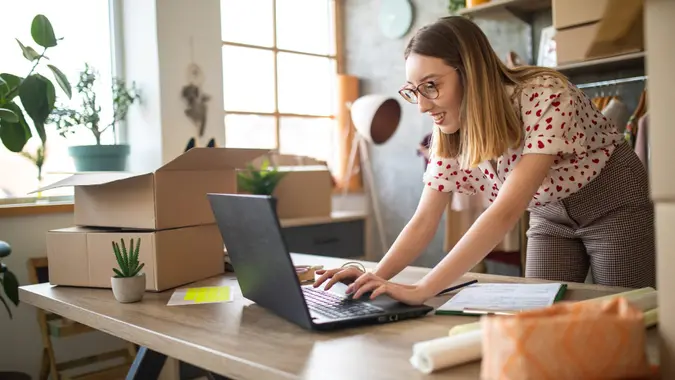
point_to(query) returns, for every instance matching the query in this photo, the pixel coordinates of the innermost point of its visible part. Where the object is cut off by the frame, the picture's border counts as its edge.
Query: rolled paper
(433, 355)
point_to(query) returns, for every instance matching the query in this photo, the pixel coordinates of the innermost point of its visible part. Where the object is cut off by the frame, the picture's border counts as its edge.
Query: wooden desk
(240, 340)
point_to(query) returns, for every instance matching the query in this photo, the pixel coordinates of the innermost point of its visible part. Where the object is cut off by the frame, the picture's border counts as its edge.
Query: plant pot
(128, 289)
(102, 158)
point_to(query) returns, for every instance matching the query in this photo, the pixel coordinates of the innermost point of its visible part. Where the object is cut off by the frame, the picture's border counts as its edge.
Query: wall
(26, 234)
(162, 38)
(379, 64)
(659, 28)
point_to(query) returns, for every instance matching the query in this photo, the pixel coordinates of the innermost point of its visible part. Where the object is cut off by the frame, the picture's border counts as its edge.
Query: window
(85, 40)
(279, 75)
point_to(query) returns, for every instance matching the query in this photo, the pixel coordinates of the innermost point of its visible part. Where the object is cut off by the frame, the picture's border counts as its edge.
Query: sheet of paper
(194, 296)
(499, 296)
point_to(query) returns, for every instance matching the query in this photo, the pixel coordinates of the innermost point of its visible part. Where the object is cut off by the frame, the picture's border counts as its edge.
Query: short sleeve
(547, 109)
(444, 174)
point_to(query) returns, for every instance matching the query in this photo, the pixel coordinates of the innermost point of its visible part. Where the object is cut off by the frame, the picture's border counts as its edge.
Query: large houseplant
(35, 92)
(96, 157)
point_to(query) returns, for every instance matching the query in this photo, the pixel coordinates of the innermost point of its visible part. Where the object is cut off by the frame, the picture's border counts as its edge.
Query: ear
(190, 144)
(212, 143)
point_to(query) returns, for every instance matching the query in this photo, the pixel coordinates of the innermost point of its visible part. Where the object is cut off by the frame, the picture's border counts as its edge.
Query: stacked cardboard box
(597, 29)
(167, 209)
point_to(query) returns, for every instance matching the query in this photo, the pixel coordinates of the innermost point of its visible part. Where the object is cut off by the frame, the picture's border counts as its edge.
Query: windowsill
(35, 206)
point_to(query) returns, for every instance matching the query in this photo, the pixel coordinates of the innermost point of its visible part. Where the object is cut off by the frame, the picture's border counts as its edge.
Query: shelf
(619, 62)
(523, 9)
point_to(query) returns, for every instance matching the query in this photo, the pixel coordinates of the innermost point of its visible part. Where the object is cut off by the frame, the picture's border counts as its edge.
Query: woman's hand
(345, 275)
(408, 294)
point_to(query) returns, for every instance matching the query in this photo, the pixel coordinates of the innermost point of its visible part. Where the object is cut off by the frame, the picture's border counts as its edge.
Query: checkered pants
(607, 225)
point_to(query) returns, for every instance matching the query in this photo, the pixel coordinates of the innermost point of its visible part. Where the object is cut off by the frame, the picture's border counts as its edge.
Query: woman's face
(441, 83)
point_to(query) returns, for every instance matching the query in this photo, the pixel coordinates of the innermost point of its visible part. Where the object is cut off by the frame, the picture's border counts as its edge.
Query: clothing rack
(612, 82)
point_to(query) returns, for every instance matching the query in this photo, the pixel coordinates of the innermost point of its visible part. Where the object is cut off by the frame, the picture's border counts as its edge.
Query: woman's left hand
(408, 294)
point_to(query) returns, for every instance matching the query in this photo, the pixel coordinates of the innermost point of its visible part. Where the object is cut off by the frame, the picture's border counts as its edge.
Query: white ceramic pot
(128, 289)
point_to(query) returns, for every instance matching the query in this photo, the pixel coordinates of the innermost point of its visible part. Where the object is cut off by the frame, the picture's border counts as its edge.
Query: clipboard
(481, 310)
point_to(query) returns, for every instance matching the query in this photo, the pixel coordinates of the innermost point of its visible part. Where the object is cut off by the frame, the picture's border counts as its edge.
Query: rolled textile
(445, 352)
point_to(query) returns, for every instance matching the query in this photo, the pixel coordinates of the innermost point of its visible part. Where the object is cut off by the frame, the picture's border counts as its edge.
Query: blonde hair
(489, 125)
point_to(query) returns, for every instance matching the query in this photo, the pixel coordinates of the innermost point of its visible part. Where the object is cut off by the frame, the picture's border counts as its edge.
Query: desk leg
(147, 365)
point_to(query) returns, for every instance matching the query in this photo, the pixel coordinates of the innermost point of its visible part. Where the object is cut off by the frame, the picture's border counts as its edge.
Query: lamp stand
(360, 144)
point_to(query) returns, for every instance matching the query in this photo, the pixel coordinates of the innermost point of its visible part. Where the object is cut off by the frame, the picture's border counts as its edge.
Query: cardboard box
(80, 256)
(569, 13)
(581, 43)
(620, 31)
(304, 192)
(170, 197)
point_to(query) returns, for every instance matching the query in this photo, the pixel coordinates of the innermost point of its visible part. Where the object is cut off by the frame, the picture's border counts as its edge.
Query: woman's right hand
(345, 275)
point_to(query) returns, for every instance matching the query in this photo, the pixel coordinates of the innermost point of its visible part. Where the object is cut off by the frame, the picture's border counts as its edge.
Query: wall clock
(395, 17)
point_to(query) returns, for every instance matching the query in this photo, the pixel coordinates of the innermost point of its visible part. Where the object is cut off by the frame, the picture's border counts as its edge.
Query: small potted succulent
(128, 282)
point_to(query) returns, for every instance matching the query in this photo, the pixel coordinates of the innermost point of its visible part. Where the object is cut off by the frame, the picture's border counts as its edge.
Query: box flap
(213, 159)
(88, 179)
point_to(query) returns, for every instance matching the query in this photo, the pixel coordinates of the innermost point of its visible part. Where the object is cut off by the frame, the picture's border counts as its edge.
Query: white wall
(162, 38)
(26, 234)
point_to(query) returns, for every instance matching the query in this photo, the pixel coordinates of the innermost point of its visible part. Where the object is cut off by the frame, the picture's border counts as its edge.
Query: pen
(456, 287)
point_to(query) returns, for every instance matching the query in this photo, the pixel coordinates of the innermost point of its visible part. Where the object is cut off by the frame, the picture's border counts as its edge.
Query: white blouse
(557, 120)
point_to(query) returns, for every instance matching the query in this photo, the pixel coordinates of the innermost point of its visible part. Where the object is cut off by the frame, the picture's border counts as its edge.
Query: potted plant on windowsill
(128, 282)
(96, 157)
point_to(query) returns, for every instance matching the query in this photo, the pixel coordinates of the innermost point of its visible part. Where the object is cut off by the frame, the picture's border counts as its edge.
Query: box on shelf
(172, 196)
(568, 13)
(81, 256)
(619, 31)
(305, 191)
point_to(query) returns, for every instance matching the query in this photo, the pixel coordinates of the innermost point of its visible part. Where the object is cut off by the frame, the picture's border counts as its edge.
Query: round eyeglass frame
(417, 91)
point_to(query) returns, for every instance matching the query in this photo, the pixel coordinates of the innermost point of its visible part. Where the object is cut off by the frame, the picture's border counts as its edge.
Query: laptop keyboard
(332, 305)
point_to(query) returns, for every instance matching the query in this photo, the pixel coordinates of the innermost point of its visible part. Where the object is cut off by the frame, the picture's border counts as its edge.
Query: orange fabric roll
(588, 340)
(348, 92)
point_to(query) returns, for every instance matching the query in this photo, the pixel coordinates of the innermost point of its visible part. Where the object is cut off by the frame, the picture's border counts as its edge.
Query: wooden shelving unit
(619, 62)
(522, 9)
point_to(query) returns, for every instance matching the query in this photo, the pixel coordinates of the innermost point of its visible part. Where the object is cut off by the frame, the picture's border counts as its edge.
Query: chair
(53, 326)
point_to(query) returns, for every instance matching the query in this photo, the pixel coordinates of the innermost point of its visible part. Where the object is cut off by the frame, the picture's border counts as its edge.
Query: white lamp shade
(376, 117)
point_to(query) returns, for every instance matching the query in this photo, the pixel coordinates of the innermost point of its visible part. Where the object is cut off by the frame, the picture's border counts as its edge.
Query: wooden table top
(241, 340)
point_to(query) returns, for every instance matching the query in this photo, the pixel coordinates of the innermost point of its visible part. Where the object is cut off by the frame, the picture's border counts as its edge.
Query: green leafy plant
(89, 114)
(35, 91)
(128, 262)
(261, 181)
(8, 280)
(456, 5)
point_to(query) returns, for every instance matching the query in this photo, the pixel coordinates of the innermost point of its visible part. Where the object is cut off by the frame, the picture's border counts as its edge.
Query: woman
(531, 141)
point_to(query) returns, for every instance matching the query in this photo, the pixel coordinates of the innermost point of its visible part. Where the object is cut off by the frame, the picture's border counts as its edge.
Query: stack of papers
(501, 298)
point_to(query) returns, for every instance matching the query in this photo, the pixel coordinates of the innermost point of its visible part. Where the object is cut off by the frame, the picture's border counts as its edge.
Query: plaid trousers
(607, 225)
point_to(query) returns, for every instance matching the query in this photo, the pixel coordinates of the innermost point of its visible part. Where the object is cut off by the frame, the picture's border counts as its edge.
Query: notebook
(501, 298)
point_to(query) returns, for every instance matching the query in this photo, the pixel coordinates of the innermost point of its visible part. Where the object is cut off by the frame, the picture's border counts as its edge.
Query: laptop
(266, 274)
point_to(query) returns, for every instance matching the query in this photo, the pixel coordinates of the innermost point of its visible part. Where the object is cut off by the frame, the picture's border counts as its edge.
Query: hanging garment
(618, 112)
(642, 140)
(632, 126)
(423, 149)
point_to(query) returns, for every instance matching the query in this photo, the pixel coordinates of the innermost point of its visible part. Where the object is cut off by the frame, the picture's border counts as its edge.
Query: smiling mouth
(438, 117)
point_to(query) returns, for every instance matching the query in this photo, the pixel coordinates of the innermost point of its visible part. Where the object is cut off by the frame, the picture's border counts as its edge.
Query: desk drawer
(339, 239)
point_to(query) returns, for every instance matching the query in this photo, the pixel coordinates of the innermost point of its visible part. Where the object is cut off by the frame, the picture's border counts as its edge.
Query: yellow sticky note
(209, 294)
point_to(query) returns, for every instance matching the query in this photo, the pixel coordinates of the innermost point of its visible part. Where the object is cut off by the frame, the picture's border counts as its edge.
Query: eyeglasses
(426, 89)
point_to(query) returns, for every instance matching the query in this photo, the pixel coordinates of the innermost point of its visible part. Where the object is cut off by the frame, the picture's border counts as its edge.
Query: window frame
(339, 63)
